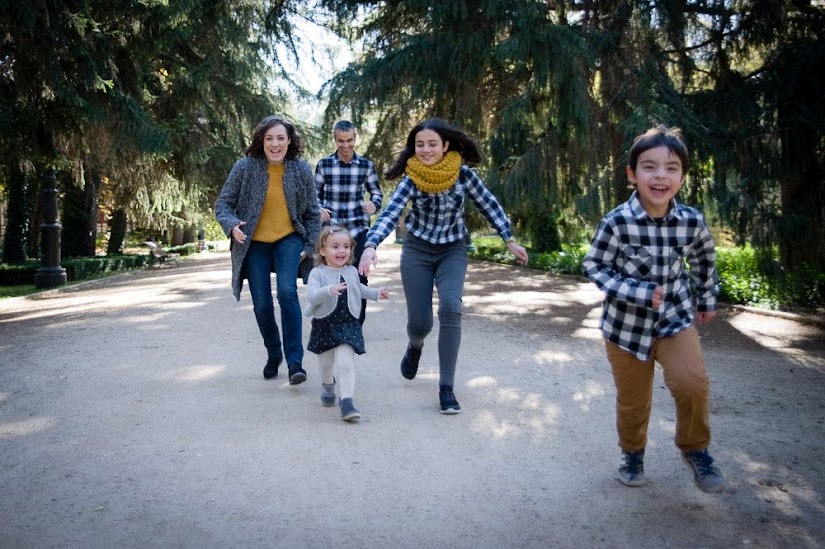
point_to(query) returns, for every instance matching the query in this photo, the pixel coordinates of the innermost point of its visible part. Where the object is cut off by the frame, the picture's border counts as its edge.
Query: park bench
(160, 256)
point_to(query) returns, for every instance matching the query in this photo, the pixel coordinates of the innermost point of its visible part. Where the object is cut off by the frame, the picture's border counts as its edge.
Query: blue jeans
(284, 255)
(445, 266)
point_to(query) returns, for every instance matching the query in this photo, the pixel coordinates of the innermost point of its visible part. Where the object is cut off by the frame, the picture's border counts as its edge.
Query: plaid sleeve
(319, 182)
(372, 186)
(601, 266)
(487, 203)
(389, 217)
(702, 260)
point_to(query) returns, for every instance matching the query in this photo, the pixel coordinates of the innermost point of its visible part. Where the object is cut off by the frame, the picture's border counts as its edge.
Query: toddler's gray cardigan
(321, 303)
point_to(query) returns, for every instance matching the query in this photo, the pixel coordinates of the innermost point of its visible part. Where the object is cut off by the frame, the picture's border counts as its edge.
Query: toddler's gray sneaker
(348, 411)
(328, 394)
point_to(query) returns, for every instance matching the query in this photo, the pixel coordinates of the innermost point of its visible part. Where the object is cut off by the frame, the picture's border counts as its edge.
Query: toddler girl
(334, 292)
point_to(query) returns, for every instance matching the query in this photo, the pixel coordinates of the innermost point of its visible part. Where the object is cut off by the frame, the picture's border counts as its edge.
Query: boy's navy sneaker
(449, 405)
(328, 394)
(348, 411)
(632, 468)
(409, 364)
(271, 368)
(297, 375)
(705, 474)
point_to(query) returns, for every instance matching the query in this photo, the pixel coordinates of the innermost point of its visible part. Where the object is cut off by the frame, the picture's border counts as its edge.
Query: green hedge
(79, 268)
(742, 274)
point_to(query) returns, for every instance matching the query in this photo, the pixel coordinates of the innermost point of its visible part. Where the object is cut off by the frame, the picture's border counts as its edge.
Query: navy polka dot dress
(336, 328)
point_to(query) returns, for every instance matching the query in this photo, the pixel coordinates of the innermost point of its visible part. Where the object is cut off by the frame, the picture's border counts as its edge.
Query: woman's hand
(238, 234)
(368, 259)
(519, 252)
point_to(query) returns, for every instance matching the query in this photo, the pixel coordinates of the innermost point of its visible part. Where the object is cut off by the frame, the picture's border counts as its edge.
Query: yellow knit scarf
(436, 178)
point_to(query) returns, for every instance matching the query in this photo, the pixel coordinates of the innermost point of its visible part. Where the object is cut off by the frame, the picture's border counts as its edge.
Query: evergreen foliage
(557, 91)
(153, 100)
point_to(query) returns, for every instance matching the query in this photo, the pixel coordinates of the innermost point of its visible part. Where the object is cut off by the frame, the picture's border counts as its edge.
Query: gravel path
(133, 414)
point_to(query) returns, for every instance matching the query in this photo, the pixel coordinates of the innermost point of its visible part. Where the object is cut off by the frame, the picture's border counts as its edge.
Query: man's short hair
(343, 126)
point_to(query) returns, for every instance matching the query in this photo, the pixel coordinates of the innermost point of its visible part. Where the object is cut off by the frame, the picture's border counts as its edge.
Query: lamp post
(50, 274)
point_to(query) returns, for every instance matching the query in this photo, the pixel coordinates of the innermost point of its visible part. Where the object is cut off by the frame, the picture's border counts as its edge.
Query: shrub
(746, 276)
(77, 268)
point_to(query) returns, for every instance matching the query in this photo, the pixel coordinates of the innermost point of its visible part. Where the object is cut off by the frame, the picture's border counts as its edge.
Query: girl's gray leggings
(424, 265)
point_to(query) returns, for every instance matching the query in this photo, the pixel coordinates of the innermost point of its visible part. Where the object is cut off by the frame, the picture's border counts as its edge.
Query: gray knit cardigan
(242, 199)
(322, 304)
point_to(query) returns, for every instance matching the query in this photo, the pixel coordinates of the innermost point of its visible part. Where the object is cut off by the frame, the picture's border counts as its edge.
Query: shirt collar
(355, 158)
(639, 212)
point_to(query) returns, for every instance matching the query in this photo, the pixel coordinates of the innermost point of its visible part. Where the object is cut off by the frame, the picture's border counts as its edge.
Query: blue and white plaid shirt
(341, 188)
(631, 254)
(438, 218)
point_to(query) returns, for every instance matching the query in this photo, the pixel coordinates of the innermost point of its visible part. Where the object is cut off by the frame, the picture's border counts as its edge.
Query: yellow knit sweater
(275, 222)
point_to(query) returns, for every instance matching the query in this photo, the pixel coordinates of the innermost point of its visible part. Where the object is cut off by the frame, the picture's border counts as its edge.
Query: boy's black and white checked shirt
(341, 188)
(438, 218)
(631, 254)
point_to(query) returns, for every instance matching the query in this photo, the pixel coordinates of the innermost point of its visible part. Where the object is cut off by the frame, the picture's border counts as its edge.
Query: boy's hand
(384, 293)
(658, 296)
(703, 317)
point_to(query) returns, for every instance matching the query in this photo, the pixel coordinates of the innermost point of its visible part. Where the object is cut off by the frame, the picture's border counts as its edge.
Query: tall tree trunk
(802, 177)
(17, 223)
(80, 217)
(117, 232)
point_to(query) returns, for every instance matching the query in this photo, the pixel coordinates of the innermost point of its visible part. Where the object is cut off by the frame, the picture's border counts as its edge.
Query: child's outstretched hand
(384, 293)
(336, 289)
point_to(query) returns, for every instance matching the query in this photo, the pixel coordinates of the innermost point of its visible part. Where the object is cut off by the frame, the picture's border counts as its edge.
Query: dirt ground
(133, 414)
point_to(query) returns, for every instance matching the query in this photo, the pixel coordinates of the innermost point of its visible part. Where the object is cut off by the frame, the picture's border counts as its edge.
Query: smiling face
(345, 143)
(276, 143)
(337, 249)
(429, 148)
(658, 178)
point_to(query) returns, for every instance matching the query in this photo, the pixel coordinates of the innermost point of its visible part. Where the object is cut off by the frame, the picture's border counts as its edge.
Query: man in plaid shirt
(637, 258)
(342, 180)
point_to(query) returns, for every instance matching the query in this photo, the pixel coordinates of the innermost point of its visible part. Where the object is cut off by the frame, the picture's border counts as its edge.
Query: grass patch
(17, 291)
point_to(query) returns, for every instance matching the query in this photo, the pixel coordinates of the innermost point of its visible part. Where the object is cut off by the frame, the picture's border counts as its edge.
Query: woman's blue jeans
(424, 265)
(284, 255)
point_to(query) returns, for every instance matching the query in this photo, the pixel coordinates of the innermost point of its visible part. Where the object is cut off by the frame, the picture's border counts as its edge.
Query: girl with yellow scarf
(436, 183)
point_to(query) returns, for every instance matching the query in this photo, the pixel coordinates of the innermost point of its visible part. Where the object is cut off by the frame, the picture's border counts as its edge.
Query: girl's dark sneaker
(409, 364)
(449, 405)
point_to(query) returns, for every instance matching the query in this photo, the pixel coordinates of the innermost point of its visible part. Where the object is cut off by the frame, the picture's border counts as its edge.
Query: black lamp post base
(45, 278)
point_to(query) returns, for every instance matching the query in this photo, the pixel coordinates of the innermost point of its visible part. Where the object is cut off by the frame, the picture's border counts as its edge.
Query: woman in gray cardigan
(269, 209)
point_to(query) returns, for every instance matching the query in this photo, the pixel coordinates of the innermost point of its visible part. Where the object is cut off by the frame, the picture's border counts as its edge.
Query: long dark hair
(256, 148)
(457, 140)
